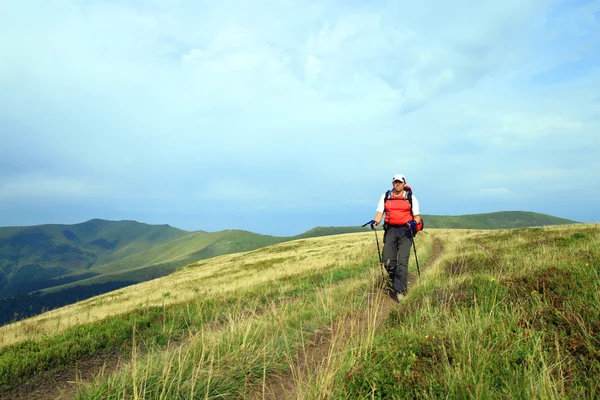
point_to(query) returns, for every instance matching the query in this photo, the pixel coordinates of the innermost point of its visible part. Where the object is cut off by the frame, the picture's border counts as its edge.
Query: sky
(279, 116)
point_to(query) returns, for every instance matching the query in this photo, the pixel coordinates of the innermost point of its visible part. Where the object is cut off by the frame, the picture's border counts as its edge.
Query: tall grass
(501, 314)
(159, 326)
(510, 314)
(214, 278)
(232, 361)
(240, 358)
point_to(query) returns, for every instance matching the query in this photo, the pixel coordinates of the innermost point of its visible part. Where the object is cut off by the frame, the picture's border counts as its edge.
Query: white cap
(399, 177)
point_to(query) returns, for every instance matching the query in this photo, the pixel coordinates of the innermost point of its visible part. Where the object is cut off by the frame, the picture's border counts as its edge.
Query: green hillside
(163, 259)
(50, 266)
(36, 257)
(330, 230)
(496, 220)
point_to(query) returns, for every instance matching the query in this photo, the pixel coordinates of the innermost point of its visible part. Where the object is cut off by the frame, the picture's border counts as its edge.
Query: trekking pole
(376, 239)
(383, 269)
(415, 249)
(378, 251)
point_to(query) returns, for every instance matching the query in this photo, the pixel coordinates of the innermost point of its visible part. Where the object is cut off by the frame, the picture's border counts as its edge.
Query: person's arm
(378, 218)
(380, 210)
(416, 211)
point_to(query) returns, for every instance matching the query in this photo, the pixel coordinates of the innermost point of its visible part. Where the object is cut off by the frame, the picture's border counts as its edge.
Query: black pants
(397, 242)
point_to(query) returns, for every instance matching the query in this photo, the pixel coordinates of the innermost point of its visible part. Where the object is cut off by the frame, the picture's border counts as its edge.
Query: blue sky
(278, 116)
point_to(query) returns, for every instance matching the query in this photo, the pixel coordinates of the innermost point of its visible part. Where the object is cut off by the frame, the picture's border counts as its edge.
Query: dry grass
(207, 278)
(296, 272)
(503, 314)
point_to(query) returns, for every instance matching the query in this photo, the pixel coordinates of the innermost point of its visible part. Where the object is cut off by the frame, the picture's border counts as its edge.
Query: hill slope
(99, 257)
(165, 258)
(36, 257)
(496, 220)
(496, 315)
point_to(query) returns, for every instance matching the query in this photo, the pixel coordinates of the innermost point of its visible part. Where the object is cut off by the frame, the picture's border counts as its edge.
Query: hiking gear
(413, 225)
(415, 249)
(399, 177)
(396, 252)
(371, 222)
(378, 251)
(398, 209)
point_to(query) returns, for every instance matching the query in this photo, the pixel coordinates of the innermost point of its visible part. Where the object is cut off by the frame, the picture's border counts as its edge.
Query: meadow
(494, 314)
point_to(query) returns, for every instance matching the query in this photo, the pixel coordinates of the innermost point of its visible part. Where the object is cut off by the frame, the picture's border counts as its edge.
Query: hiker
(400, 219)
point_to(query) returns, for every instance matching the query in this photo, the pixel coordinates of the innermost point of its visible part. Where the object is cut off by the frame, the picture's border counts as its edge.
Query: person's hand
(413, 226)
(374, 224)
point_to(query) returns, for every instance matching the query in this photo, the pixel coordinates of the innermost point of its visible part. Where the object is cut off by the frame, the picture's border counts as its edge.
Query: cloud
(550, 175)
(47, 187)
(502, 193)
(226, 191)
(173, 105)
(534, 126)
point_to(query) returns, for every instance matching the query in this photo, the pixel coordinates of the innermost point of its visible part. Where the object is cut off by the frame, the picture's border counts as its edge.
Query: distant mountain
(48, 266)
(495, 220)
(165, 258)
(330, 230)
(37, 257)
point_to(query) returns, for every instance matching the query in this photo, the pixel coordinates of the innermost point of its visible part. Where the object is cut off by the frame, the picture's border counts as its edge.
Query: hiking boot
(397, 296)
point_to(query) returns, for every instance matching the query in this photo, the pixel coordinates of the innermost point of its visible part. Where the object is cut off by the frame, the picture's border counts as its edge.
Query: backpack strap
(409, 198)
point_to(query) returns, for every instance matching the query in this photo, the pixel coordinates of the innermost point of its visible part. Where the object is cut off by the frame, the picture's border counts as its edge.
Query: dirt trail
(315, 354)
(62, 384)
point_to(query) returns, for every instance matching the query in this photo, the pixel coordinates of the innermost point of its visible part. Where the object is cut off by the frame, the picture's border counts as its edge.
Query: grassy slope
(330, 230)
(497, 220)
(221, 285)
(193, 247)
(133, 236)
(97, 236)
(40, 256)
(166, 258)
(503, 314)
